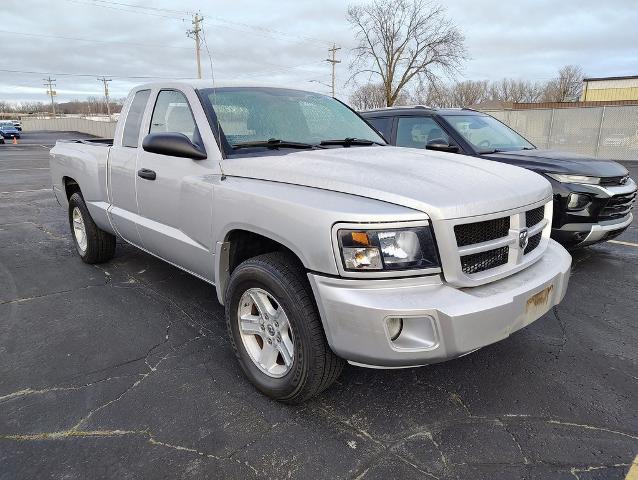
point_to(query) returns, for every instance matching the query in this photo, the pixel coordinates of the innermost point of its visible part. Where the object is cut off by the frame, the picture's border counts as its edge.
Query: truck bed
(105, 142)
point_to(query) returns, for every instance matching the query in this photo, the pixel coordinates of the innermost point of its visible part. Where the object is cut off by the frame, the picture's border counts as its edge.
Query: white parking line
(629, 244)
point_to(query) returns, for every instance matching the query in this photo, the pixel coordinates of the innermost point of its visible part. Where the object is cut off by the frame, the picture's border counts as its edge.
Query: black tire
(315, 367)
(100, 245)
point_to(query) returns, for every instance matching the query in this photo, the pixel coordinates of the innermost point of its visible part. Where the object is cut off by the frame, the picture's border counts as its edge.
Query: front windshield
(248, 114)
(487, 134)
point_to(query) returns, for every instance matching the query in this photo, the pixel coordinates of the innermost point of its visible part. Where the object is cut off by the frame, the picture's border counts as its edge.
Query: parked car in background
(324, 244)
(593, 198)
(17, 124)
(7, 130)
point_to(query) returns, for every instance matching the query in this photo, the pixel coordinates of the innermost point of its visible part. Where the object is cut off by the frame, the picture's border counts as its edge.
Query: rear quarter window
(131, 135)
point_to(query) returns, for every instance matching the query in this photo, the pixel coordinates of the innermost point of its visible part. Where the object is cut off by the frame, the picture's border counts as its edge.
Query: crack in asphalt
(50, 294)
(592, 427)
(575, 471)
(41, 391)
(74, 433)
(448, 466)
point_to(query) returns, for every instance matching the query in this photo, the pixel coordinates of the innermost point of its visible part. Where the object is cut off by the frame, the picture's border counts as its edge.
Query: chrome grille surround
(618, 206)
(520, 254)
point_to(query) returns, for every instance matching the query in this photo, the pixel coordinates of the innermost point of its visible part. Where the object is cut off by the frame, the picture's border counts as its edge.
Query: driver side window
(173, 114)
(416, 132)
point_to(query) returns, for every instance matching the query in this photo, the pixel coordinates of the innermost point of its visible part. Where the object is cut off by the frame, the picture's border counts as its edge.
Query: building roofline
(595, 79)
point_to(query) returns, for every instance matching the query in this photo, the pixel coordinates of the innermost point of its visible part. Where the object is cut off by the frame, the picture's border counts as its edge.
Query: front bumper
(576, 235)
(592, 224)
(440, 322)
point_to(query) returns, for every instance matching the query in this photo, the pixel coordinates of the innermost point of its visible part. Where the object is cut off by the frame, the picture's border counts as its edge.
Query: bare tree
(372, 95)
(401, 41)
(468, 92)
(433, 94)
(368, 96)
(512, 90)
(459, 94)
(567, 87)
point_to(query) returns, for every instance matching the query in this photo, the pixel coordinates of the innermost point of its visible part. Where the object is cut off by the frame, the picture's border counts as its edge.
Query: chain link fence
(602, 132)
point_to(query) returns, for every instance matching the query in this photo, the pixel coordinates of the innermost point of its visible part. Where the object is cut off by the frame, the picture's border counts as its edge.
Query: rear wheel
(276, 331)
(93, 244)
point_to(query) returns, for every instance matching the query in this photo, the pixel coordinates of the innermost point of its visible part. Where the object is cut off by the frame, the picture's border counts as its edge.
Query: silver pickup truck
(324, 244)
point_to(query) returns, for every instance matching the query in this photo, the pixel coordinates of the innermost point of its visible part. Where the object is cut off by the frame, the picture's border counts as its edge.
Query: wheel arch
(71, 186)
(241, 243)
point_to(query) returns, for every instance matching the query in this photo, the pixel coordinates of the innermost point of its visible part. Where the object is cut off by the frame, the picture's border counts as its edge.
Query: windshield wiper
(494, 150)
(348, 141)
(274, 143)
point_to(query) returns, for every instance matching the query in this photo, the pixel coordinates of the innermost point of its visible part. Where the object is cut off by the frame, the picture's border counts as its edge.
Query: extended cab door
(176, 206)
(122, 168)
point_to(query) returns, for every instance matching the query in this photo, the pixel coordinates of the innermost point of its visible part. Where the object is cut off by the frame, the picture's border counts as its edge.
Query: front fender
(297, 217)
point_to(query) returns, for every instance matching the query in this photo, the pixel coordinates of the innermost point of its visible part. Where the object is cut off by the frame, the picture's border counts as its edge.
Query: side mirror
(441, 145)
(172, 144)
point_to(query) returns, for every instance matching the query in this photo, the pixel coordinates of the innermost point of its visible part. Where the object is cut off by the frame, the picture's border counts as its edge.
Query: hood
(553, 161)
(443, 185)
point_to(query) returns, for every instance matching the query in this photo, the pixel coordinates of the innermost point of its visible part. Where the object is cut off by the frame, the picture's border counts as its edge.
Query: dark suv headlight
(388, 249)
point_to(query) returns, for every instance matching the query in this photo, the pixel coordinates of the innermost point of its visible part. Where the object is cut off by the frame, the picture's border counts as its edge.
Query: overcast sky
(285, 42)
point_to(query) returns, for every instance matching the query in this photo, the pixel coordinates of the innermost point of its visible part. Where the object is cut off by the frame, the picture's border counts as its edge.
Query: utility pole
(106, 93)
(49, 82)
(194, 33)
(333, 61)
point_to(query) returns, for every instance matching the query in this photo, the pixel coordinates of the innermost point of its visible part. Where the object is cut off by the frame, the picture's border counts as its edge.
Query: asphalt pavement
(124, 370)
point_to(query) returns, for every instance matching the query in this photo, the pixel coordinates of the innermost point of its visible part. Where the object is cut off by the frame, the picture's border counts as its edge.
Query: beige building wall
(610, 89)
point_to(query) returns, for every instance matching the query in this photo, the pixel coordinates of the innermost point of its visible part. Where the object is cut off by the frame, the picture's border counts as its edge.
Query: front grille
(618, 206)
(471, 233)
(478, 262)
(534, 241)
(535, 216)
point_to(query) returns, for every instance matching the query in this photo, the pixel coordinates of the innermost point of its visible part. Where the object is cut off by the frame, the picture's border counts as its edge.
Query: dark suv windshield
(248, 114)
(487, 134)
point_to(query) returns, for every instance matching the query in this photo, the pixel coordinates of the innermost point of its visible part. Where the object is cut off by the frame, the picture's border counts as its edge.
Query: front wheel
(276, 331)
(93, 244)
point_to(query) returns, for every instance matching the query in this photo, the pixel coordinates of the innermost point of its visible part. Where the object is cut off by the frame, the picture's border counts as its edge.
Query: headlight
(578, 201)
(559, 177)
(396, 249)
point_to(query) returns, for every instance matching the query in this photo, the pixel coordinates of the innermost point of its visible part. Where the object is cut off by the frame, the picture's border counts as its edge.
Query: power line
(151, 77)
(270, 32)
(79, 2)
(138, 77)
(115, 42)
(144, 7)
